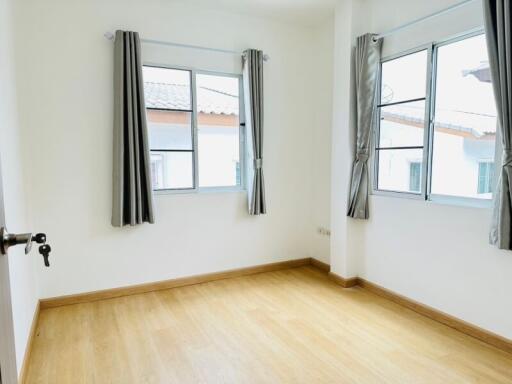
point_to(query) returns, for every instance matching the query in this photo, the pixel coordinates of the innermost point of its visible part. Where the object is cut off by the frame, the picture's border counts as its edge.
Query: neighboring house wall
(218, 137)
(218, 150)
(454, 154)
(218, 154)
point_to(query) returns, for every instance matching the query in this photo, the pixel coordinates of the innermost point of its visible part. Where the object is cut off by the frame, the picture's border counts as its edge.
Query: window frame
(195, 158)
(376, 137)
(428, 139)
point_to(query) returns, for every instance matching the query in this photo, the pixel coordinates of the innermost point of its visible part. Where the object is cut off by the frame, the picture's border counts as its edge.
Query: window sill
(199, 191)
(456, 201)
(468, 202)
(399, 195)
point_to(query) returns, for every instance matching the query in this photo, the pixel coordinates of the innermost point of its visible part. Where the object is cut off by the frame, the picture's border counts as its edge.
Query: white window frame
(195, 159)
(426, 169)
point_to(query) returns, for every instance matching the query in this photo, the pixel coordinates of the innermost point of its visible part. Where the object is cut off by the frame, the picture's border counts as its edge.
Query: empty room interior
(255, 191)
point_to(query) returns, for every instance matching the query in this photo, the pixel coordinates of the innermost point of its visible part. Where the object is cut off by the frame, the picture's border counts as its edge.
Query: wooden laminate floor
(291, 326)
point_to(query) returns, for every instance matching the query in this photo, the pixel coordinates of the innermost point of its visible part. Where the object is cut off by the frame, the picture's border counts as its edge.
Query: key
(45, 250)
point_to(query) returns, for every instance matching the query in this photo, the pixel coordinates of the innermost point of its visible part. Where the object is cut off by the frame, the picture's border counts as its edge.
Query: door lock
(10, 239)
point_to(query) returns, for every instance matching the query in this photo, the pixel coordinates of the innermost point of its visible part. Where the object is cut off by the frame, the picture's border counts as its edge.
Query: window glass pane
(465, 120)
(400, 170)
(172, 170)
(169, 129)
(166, 88)
(404, 78)
(402, 125)
(218, 131)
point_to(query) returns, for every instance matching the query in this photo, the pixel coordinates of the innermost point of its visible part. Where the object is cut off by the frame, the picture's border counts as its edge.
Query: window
(218, 130)
(402, 123)
(437, 121)
(465, 117)
(194, 129)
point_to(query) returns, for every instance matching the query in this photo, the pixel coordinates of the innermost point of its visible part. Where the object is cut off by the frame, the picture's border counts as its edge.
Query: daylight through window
(194, 129)
(443, 144)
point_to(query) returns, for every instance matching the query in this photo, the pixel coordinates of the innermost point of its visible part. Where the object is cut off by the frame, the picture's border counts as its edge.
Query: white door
(8, 372)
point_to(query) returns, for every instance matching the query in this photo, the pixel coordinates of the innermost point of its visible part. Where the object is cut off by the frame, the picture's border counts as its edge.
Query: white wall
(321, 56)
(435, 254)
(65, 85)
(21, 267)
(344, 232)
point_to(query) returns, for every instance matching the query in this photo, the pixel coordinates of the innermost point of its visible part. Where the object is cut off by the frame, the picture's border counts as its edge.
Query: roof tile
(177, 96)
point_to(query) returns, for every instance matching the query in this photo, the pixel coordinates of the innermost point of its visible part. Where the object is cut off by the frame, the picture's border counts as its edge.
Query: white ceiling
(304, 12)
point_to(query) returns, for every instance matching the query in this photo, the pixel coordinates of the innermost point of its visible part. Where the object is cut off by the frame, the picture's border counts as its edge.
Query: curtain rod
(424, 18)
(111, 36)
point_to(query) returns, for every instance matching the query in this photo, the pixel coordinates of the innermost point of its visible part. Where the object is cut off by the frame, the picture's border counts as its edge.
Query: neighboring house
(464, 144)
(170, 128)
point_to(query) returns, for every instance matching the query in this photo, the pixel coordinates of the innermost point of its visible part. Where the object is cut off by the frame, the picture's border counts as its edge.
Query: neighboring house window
(415, 176)
(157, 170)
(194, 124)
(485, 177)
(238, 172)
(437, 104)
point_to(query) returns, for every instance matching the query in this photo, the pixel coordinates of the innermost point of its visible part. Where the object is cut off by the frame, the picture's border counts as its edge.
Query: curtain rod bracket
(109, 36)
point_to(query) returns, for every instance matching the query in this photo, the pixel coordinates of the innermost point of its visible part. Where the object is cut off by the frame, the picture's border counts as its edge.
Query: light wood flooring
(290, 326)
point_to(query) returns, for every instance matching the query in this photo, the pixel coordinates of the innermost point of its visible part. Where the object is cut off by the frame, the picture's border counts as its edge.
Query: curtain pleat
(498, 31)
(132, 200)
(367, 60)
(253, 89)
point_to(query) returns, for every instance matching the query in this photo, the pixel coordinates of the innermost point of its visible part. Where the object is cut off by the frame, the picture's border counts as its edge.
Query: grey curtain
(367, 59)
(498, 29)
(132, 201)
(253, 89)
